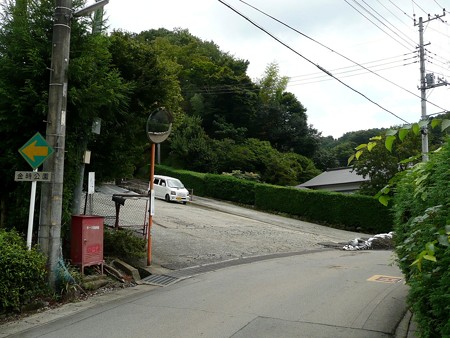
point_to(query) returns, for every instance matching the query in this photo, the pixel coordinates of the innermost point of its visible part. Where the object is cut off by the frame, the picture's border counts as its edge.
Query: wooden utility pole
(52, 192)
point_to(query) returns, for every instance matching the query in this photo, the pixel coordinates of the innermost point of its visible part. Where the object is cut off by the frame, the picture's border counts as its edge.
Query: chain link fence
(128, 211)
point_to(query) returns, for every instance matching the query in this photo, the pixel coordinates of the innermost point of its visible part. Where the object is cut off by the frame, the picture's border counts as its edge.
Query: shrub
(124, 244)
(422, 227)
(351, 212)
(23, 272)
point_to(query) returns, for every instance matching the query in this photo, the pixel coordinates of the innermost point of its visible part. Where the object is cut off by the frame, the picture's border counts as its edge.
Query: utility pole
(49, 237)
(52, 192)
(426, 82)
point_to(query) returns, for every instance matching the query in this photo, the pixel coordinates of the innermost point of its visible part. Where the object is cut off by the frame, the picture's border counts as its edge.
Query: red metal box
(86, 243)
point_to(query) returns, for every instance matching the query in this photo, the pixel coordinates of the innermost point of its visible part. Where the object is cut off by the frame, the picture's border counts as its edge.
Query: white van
(170, 189)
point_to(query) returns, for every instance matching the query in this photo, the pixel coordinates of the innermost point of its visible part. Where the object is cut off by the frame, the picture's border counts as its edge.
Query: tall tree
(214, 85)
(281, 119)
(94, 89)
(151, 81)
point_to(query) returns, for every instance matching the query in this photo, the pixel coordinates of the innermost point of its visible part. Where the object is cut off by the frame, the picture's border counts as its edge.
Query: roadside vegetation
(422, 228)
(419, 194)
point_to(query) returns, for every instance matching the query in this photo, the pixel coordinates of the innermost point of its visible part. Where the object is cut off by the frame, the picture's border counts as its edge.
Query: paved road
(326, 294)
(309, 292)
(207, 231)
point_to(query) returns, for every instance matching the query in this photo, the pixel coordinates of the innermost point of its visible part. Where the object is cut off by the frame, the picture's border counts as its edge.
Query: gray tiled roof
(333, 177)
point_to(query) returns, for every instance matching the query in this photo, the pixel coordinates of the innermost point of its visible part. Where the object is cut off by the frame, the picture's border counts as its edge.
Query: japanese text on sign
(30, 176)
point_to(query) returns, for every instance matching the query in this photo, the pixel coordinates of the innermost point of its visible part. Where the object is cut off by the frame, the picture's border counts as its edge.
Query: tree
(25, 52)
(380, 166)
(151, 81)
(214, 85)
(281, 119)
(408, 135)
(197, 153)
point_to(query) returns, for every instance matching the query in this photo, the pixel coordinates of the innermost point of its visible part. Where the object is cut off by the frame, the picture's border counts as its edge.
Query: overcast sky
(378, 34)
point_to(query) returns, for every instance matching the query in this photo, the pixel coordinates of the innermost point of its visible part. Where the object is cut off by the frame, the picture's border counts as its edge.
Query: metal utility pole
(426, 82)
(52, 192)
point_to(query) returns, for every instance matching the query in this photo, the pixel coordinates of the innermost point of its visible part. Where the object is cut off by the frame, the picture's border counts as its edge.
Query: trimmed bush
(351, 212)
(123, 243)
(23, 272)
(229, 188)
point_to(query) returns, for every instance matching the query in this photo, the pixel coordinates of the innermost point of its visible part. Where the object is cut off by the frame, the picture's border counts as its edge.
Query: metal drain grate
(160, 280)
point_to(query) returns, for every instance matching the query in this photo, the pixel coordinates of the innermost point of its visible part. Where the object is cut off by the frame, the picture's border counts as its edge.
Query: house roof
(334, 177)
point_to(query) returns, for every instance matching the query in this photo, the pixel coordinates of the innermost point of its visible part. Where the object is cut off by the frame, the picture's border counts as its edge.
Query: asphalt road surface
(308, 293)
(208, 231)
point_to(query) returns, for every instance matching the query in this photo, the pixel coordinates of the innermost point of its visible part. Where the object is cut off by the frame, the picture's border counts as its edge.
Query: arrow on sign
(36, 150)
(33, 150)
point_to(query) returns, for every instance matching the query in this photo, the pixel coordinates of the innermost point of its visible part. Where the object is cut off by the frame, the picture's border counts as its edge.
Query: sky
(339, 36)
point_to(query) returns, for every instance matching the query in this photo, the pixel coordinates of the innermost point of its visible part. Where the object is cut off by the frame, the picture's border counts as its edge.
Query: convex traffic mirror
(159, 125)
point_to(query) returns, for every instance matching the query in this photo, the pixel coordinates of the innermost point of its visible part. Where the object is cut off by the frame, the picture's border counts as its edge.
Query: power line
(369, 62)
(415, 3)
(356, 9)
(330, 49)
(308, 60)
(413, 42)
(345, 76)
(401, 10)
(360, 71)
(345, 71)
(392, 13)
(438, 4)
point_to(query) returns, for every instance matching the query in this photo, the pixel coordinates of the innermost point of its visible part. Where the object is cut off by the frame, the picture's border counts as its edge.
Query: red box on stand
(86, 242)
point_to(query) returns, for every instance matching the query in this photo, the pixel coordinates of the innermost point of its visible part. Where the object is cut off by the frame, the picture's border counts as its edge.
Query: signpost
(35, 152)
(159, 126)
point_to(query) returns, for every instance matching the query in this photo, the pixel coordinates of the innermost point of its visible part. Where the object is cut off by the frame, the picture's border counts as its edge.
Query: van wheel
(184, 202)
(167, 198)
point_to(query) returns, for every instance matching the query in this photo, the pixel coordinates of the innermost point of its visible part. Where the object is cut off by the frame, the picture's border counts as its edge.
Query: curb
(407, 327)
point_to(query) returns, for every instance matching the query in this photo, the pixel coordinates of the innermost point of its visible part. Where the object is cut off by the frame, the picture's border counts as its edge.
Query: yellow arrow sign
(36, 150)
(33, 150)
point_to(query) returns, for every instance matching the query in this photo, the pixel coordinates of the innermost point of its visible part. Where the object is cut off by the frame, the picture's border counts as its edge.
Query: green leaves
(445, 124)
(427, 254)
(389, 142)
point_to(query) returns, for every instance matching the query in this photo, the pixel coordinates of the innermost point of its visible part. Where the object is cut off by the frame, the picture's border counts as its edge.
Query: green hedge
(230, 188)
(352, 212)
(191, 180)
(422, 226)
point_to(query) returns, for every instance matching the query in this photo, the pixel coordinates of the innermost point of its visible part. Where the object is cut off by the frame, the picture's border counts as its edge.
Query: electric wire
(443, 60)
(308, 79)
(313, 77)
(392, 13)
(359, 71)
(367, 64)
(438, 4)
(401, 10)
(413, 42)
(330, 49)
(356, 9)
(308, 60)
(415, 3)
(344, 76)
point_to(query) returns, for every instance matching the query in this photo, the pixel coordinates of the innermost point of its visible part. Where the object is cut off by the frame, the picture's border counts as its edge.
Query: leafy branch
(391, 136)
